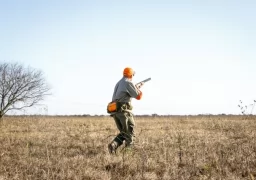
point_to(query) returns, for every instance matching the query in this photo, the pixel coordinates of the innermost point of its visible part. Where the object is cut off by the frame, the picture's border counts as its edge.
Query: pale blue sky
(199, 54)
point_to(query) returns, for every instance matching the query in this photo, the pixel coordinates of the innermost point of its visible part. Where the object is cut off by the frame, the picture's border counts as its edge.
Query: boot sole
(110, 149)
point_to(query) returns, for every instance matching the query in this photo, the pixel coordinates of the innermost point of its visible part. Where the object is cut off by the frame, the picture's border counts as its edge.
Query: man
(124, 91)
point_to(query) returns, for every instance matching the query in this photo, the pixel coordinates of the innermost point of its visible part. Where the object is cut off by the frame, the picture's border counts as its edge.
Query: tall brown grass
(185, 147)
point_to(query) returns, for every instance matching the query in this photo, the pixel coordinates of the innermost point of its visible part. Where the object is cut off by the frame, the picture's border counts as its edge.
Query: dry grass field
(185, 147)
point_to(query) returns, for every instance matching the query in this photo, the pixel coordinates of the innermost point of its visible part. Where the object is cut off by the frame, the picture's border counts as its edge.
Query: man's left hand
(140, 85)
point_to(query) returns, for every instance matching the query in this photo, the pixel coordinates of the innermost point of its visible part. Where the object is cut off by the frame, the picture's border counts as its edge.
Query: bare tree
(20, 87)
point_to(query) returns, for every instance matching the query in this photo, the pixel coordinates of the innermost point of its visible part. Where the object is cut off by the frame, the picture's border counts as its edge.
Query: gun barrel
(146, 80)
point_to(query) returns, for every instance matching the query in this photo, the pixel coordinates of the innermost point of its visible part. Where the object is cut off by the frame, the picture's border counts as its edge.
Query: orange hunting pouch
(115, 106)
(112, 107)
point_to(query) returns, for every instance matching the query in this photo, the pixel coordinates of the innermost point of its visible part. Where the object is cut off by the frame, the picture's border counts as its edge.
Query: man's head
(128, 72)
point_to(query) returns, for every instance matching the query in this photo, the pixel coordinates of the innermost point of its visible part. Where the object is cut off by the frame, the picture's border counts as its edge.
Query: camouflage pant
(125, 124)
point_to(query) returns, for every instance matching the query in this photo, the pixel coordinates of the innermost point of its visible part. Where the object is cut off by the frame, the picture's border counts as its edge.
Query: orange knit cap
(128, 72)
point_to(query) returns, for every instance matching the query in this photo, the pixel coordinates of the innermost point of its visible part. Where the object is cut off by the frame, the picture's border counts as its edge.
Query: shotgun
(138, 85)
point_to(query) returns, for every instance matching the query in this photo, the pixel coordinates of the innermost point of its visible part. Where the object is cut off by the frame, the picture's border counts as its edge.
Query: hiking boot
(112, 148)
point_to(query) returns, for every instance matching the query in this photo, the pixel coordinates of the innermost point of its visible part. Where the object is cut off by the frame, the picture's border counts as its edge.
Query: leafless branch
(20, 87)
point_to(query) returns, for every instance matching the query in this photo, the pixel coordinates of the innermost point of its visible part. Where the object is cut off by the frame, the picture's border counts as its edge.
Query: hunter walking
(124, 91)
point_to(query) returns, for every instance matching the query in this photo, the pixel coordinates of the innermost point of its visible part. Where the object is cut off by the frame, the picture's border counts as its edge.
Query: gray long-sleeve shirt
(125, 90)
